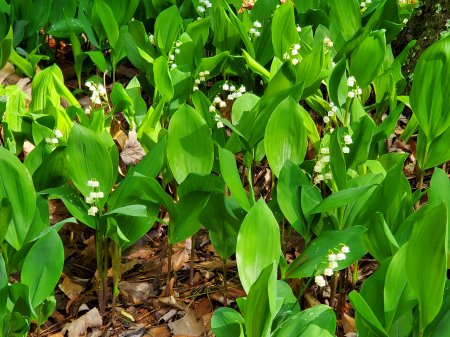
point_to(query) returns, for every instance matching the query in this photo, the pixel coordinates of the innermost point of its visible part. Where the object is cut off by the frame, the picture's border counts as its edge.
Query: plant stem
(420, 186)
(341, 301)
(116, 254)
(225, 286)
(355, 275)
(102, 277)
(250, 182)
(333, 285)
(169, 267)
(191, 264)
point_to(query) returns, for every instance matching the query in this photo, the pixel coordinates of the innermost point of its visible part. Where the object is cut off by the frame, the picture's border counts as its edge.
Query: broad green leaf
(314, 257)
(431, 153)
(227, 322)
(440, 192)
(366, 312)
(345, 18)
(284, 33)
(290, 181)
(89, 159)
(341, 198)
(430, 89)
(337, 161)
(5, 219)
(223, 226)
(366, 60)
(189, 144)
(185, 222)
(285, 136)
(42, 267)
(167, 28)
(379, 239)
(5, 48)
(258, 243)
(108, 21)
(441, 324)
(17, 187)
(398, 296)
(132, 210)
(299, 325)
(163, 80)
(427, 252)
(261, 302)
(73, 203)
(232, 178)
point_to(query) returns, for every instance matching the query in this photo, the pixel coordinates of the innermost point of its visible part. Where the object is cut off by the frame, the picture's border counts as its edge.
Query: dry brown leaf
(71, 288)
(132, 150)
(348, 324)
(188, 325)
(79, 327)
(135, 293)
(159, 331)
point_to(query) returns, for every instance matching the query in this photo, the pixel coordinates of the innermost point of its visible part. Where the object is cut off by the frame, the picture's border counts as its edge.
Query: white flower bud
(328, 272)
(340, 256)
(348, 140)
(351, 81)
(346, 149)
(93, 183)
(320, 281)
(92, 211)
(294, 61)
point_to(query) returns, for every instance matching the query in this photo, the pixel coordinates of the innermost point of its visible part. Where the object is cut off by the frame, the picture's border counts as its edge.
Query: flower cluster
(201, 78)
(347, 141)
(98, 92)
(364, 4)
(254, 31)
(294, 50)
(203, 5)
(176, 51)
(337, 254)
(330, 113)
(328, 43)
(54, 140)
(93, 196)
(151, 38)
(322, 167)
(234, 93)
(355, 90)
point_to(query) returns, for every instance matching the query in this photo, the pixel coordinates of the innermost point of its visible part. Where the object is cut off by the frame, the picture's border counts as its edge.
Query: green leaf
(163, 80)
(227, 322)
(17, 187)
(398, 296)
(367, 314)
(341, 198)
(42, 267)
(366, 60)
(284, 33)
(132, 210)
(189, 144)
(441, 324)
(345, 18)
(379, 239)
(298, 325)
(314, 257)
(232, 178)
(89, 159)
(431, 87)
(261, 302)
(108, 21)
(290, 181)
(427, 252)
(285, 136)
(167, 28)
(5, 219)
(73, 203)
(258, 243)
(185, 222)
(440, 192)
